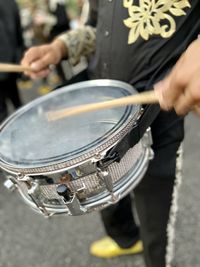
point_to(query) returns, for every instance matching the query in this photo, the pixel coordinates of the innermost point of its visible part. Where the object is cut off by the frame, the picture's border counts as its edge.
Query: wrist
(61, 48)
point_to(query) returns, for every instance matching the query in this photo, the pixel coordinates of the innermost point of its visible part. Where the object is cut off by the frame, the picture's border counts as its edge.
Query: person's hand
(40, 58)
(181, 88)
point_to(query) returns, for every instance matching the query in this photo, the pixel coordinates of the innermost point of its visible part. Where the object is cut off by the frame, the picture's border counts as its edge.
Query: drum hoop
(92, 154)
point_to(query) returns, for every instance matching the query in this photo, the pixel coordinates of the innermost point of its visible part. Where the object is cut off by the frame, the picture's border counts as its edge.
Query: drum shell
(87, 187)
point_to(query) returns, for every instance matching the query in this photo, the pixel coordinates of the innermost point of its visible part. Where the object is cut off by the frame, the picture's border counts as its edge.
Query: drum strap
(133, 137)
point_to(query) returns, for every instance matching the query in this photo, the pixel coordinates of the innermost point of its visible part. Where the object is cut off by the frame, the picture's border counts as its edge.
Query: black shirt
(139, 41)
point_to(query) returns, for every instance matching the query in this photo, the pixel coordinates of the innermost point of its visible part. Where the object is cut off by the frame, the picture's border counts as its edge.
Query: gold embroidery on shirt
(153, 17)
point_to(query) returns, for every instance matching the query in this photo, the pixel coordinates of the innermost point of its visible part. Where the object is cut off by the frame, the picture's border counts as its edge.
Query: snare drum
(56, 165)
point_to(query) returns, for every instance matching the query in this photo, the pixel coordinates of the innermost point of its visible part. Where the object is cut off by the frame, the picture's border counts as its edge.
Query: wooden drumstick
(141, 98)
(4, 67)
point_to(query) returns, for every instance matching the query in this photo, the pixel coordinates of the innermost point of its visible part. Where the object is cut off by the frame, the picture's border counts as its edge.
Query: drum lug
(33, 190)
(70, 200)
(147, 142)
(105, 176)
(74, 206)
(147, 138)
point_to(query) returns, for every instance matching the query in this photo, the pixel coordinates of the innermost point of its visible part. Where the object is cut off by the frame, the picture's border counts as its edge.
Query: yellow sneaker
(108, 248)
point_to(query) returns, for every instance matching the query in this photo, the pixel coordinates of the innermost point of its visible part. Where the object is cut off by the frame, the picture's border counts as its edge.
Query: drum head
(29, 140)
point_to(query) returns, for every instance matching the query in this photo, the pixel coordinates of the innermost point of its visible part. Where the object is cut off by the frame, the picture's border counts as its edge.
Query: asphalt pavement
(29, 240)
(187, 226)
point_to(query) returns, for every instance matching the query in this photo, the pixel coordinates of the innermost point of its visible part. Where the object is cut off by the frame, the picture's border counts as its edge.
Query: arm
(181, 88)
(80, 42)
(72, 45)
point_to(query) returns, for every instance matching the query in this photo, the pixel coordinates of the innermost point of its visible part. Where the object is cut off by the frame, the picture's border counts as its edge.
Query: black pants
(8, 90)
(119, 222)
(152, 196)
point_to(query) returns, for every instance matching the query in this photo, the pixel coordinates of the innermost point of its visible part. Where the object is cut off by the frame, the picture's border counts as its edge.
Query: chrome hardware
(23, 178)
(33, 191)
(10, 185)
(105, 176)
(147, 142)
(70, 200)
(74, 206)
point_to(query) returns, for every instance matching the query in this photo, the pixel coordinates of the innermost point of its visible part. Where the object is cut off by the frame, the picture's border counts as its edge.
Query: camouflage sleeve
(79, 42)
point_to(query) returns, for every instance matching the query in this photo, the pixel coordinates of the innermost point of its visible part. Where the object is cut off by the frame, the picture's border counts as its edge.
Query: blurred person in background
(58, 9)
(84, 11)
(78, 12)
(11, 49)
(50, 19)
